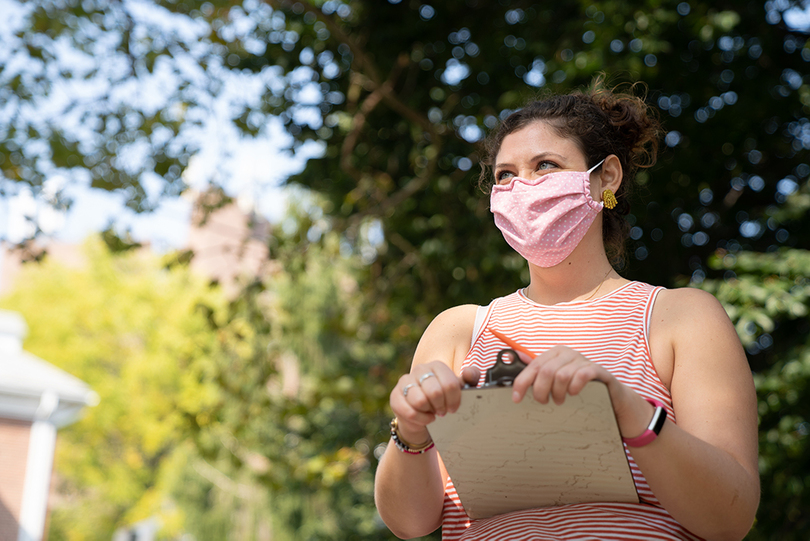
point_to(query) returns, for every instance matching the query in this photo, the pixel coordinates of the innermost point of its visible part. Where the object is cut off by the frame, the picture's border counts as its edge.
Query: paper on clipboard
(506, 457)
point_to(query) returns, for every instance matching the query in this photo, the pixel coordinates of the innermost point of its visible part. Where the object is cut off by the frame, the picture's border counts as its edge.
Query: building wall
(229, 246)
(14, 436)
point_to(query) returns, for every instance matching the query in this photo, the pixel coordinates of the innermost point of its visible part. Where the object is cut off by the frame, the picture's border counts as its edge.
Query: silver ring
(423, 377)
(405, 389)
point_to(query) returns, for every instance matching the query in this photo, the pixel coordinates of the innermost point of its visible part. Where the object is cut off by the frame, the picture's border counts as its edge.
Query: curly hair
(602, 122)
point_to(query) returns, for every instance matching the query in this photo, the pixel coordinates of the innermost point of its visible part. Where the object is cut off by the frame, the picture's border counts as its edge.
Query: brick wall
(14, 438)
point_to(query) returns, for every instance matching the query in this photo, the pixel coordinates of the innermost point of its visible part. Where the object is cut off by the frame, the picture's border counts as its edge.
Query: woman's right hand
(431, 389)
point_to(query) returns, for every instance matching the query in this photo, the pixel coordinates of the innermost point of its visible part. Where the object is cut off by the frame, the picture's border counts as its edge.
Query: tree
(415, 109)
(247, 419)
(768, 298)
(400, 95)
(301, 393)
(342, 72)
(118, 96)
(401, 117)
(129, 327)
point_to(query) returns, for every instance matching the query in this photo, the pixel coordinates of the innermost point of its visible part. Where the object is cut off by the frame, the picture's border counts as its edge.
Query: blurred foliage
(209, 417)
(769, 300)
(403, 116)
(301, 393)
(130, 329)
(400, 94)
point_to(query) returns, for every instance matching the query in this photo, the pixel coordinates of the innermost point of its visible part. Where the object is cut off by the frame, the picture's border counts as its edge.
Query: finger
(523, 381)
(471, 376)
(523, 357)
(561, 384)
(587, 374)
(452, 386)
(433, 389)
(405, 411)
(418, 400)
(527, 377)
(546, 374)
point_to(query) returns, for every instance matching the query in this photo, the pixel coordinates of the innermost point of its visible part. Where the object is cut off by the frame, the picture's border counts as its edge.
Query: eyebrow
(534, 159)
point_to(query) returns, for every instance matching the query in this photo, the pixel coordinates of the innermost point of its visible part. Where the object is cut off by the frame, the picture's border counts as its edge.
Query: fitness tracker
(653, 429)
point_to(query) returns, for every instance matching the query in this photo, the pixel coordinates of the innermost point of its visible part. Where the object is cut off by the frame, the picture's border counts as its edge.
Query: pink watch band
(653, 429)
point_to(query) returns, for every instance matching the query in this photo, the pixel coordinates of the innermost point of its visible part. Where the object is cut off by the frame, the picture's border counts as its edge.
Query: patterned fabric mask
(545, 219)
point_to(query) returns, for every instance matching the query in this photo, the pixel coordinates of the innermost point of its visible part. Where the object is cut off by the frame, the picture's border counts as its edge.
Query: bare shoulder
(448, 337)
(690, 332)
(701, 335)
(688, 298)
(457, 316)
(688, 309)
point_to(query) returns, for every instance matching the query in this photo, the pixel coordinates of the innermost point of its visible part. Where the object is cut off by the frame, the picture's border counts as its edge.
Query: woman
(562, 170)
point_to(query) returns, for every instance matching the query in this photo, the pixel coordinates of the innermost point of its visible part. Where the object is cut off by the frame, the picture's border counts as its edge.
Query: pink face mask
(545, 219)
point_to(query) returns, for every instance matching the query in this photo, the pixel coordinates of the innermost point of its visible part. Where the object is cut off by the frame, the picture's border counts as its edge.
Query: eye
(545, 164)
(503, 177)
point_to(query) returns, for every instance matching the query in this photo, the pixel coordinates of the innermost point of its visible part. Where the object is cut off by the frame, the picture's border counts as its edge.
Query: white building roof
(25, 379)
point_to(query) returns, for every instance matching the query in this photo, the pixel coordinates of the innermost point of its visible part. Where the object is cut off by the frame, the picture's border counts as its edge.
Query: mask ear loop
(595, 205)
(592, 169)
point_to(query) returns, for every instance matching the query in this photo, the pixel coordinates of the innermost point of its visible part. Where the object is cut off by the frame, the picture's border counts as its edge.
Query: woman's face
(534, 151)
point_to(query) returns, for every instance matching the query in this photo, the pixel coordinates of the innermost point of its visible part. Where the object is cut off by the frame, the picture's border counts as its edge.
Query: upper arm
(447, 338)
(712, 387)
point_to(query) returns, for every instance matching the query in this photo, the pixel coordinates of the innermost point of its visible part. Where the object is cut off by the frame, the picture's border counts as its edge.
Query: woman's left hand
(561, 371)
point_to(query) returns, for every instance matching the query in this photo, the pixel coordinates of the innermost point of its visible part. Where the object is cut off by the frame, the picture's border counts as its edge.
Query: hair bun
(633, 122)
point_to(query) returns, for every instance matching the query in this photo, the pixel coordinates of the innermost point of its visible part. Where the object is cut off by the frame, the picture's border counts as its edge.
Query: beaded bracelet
(405, 447)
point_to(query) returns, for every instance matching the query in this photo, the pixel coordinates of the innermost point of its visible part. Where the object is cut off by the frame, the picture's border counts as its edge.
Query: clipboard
(505, 457)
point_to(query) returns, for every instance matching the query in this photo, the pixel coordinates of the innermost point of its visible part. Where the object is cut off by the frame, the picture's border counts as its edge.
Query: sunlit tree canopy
(392, 99)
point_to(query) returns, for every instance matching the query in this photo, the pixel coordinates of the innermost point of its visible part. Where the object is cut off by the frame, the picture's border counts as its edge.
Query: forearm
(409, 488)
(703, 487)
(409, 492)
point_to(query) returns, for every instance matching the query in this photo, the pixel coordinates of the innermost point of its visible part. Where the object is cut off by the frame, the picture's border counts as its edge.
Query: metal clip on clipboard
(503, 374)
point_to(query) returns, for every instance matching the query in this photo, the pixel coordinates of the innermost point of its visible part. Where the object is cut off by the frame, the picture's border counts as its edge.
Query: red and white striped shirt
(611, 331)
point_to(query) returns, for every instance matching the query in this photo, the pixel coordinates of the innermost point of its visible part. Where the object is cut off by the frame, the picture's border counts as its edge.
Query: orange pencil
(512, 344)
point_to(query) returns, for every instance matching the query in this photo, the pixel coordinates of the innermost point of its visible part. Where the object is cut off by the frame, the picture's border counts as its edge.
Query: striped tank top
(611, 331)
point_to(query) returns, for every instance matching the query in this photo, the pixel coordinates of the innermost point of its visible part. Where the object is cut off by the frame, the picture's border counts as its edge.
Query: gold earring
(608, 199)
